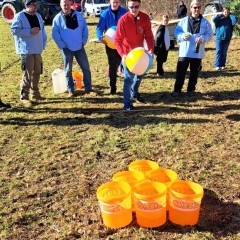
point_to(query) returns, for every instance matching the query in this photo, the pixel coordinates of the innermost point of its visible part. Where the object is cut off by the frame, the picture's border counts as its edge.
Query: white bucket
(59, 81)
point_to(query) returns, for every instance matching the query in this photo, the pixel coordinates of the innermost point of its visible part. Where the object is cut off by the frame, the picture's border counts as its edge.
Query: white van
(95, 7)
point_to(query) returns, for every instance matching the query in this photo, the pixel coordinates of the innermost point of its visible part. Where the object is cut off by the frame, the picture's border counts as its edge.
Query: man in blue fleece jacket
(109, 18)
(70, 33)
(224, 23)
(30, 40)
(192, 33)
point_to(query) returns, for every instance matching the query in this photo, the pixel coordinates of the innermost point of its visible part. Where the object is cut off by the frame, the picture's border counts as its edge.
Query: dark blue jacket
(224, 26)
(107, 20)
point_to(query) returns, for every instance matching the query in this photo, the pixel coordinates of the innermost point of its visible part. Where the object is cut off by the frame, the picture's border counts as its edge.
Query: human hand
(35, 30)
(124, 59)
(102, 40)
(198, 40)
(186, 36)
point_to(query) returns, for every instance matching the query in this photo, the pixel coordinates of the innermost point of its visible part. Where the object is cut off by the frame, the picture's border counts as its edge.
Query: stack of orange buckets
(150, 191)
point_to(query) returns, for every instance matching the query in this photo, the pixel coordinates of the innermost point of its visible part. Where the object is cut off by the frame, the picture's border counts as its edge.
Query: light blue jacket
(73, 39)
(107, 20)
(25, 42)
(187, 47)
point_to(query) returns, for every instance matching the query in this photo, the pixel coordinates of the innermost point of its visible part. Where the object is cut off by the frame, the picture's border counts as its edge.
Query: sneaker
(137, 99)
(3, 105)
(217, 68)
(129, 108)
(71, 94)
(113, 91)
(26, 102)
(190, 94)
(222, 68)
(39, 98)
(90, 92)
(175, 94)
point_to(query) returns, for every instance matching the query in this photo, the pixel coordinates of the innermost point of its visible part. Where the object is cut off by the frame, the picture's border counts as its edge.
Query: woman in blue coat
(224, 23)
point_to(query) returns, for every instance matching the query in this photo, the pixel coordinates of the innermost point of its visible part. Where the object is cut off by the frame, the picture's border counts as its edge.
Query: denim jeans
(221, 53)
(82, 60)
(130, 86)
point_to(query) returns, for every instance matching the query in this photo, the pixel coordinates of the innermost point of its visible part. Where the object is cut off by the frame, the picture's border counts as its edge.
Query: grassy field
(54, 156)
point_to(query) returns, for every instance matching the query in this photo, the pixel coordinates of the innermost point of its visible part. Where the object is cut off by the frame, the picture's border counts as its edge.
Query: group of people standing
(70, 33)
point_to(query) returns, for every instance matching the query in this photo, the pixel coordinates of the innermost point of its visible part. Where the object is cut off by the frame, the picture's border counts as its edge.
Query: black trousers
(114, 60)
(182, 66)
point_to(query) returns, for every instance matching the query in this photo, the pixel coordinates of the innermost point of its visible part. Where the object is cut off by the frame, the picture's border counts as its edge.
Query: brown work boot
(39, 98)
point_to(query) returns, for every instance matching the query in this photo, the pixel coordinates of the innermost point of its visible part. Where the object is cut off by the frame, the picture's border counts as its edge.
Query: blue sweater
(107, 20)
(73, 39)
(25, 42)
(224, 26)
(187, 47)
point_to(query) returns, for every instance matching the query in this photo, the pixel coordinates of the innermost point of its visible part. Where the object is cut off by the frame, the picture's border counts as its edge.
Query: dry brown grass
(53, 158)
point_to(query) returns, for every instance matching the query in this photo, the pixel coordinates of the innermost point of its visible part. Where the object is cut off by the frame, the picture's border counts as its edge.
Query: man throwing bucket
(109, 18)
(133, 28)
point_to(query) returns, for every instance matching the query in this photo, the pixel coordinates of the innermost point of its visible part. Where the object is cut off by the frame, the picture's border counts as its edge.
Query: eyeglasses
(34, 4)
(196, 7)
(134, 7)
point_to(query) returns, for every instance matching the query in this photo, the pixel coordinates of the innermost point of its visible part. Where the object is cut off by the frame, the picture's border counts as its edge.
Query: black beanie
(28, 2)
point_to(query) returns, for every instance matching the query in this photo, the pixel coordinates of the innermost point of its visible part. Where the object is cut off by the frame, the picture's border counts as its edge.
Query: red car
(76, 5)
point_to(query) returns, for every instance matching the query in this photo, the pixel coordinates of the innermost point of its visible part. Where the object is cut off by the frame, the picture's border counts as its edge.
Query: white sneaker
(217, 68)
(222, 68)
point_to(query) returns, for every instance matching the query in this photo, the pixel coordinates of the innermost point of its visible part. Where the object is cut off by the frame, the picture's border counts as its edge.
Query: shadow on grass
(220, 218)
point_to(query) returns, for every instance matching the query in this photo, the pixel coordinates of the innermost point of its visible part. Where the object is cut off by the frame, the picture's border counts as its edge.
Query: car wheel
(8, 12)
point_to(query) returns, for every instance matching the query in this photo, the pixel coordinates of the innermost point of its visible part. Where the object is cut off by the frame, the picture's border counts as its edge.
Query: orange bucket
(150, 203)
(132, 178)
(115, 203)
(184, 202)
(165, 176)
(143, 166)
(78, 76)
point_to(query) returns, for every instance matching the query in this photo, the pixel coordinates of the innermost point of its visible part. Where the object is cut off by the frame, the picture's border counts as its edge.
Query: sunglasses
(134, 7)
(34, 4)
(196, 7)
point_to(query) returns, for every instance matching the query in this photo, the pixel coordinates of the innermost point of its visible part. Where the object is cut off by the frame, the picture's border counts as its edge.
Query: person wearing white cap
(30, 40)
(192, 32)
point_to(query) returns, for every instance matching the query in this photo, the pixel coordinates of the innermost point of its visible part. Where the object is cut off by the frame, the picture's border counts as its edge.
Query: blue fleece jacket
(187, 47)
(25, 42)
(224, 26)
(73, 39)
(107, 20)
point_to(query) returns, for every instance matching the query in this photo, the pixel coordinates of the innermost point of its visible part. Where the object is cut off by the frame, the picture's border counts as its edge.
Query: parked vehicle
(76, 5)
(215, 6)
(95, 7)
(47, 8)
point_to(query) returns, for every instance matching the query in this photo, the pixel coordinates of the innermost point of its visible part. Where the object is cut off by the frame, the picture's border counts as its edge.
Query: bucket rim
(127, 191)
(134, 173)
(149, 197)
(198, 193)
(163, 169)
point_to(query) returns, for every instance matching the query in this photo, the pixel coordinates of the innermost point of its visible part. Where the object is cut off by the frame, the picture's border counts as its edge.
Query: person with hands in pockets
(132, 29)
(70, 33)
(192, 32)
(110, 18)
